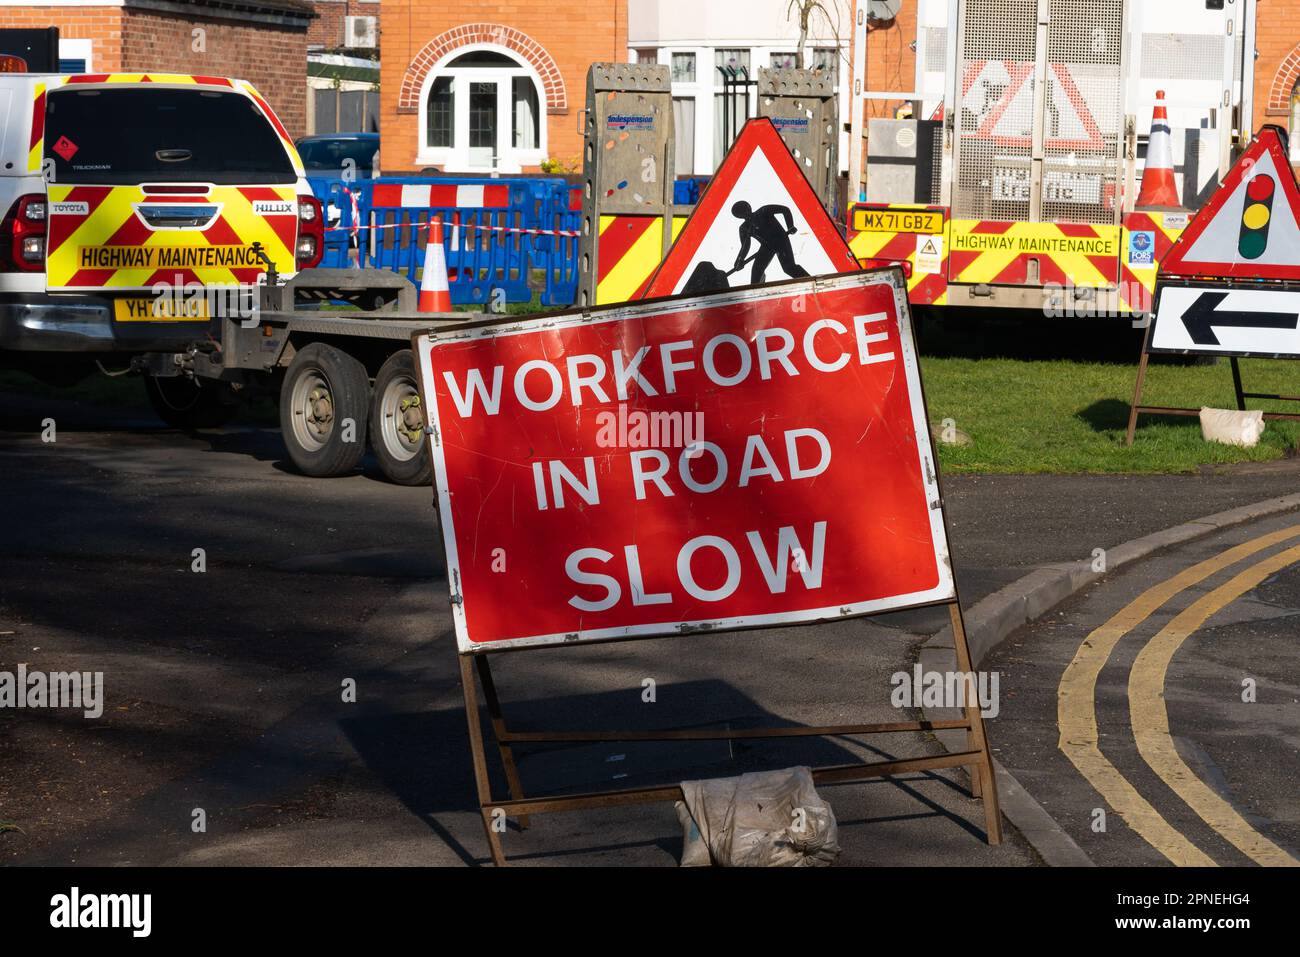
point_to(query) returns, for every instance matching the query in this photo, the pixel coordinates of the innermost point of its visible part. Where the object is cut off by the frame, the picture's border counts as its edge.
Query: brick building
(262, 41)
(475, 86)
(329, 31)
(1277, 65)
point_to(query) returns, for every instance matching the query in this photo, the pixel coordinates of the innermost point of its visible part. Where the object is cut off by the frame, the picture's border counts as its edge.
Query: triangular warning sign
(758, 221)
(928, 248)
(999, 95)
(1250, 228)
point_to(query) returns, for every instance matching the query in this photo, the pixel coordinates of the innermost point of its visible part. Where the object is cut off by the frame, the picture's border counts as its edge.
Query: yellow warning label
(1016, 243)
(897, 221)
(165, 257)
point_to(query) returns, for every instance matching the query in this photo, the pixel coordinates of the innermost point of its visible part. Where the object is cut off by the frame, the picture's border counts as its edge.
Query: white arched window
(481, 111)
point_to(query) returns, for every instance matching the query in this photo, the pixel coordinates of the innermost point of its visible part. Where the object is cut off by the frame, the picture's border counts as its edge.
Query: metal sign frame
(802, 105)
(475, 670)
(616, 179)
(1226, 276)
(1136, 408)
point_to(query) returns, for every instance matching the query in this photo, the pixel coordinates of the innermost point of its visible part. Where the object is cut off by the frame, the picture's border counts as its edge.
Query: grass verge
(1056, 400)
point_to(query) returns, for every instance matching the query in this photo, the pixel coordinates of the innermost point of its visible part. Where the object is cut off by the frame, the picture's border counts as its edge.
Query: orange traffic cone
(1158, 186)
(434, 294)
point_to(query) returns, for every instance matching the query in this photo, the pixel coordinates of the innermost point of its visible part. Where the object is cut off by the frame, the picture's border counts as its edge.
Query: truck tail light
(311, 232)
(904, 264)
(22, 235)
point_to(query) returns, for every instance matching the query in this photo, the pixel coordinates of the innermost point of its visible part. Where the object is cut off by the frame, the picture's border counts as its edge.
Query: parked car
(328, 154)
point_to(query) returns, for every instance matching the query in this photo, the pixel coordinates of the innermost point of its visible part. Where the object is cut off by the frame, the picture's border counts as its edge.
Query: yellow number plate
(163, 309)
(897, 221)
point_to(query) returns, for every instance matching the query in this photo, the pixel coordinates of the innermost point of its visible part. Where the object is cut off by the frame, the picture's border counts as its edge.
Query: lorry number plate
(897, 221)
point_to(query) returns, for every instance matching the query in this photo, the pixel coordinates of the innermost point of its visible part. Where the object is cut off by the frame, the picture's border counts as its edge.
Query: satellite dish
(883, 9)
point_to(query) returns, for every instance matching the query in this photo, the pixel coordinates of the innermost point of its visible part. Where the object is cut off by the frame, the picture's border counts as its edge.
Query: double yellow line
(1077, 716)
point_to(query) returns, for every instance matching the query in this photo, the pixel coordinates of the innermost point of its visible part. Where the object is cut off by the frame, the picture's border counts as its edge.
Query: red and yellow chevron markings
(630, 249)
(1137, 269)
(1002, 253)
(99, 240)
(913, 236)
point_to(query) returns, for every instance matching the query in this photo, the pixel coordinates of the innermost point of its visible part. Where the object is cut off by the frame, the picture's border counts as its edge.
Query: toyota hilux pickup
(124, 195)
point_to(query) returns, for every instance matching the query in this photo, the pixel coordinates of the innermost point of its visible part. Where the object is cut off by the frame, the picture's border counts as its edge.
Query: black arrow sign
(1201, 317)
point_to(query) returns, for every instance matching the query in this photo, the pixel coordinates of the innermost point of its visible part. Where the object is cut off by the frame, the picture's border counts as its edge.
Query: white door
(485, 127)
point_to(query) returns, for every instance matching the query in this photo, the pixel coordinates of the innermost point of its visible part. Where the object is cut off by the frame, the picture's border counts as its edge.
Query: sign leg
(480, 761)
(983, 781)
(1236, 384)
(499, 731)
(1137, 391)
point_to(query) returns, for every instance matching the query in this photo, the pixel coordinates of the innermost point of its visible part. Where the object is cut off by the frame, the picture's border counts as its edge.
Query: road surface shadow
(424, 758)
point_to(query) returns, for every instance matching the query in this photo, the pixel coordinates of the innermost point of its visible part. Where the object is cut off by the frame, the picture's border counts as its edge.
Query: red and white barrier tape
(468, 227)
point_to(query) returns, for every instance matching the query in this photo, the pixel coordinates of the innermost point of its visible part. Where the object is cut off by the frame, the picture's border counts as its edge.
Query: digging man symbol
(763, 226)
(769, 226)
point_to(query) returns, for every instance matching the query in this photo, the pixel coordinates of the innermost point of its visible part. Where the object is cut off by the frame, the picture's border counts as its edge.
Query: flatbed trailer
(344, 377)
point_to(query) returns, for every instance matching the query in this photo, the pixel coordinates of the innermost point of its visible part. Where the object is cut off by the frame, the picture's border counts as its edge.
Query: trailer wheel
(397, 423)
(323, 411)
(185, 404)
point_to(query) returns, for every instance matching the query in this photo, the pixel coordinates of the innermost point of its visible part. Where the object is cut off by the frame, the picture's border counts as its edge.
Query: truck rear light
(22, 235)
(904, 264)
(311, 232)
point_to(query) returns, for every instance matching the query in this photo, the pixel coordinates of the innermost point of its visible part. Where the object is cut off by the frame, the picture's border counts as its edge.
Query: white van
(115, 187)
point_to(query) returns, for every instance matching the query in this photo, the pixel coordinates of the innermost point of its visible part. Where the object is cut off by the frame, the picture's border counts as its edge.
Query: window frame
(456, 158)
(695, 65)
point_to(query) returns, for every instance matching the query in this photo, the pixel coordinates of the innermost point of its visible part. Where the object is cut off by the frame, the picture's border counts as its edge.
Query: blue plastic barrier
(483, 232)
(557, 249)
(498, 233)
(686, 192)
(334, 199)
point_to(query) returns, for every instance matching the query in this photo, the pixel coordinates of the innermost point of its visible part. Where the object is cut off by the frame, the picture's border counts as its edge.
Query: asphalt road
(224, 689)
(1156, 716)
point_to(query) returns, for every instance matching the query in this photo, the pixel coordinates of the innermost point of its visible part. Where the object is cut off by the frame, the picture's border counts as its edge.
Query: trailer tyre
(184, 403)
(397, 423)
(323, 411)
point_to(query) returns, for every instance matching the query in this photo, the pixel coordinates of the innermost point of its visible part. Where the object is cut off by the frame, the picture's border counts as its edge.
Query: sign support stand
(857, 586)
(976, 758)
(1234, 273)
(1137, 408)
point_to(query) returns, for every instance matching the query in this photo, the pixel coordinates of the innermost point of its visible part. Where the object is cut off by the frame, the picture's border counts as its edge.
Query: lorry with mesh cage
(1014, 182)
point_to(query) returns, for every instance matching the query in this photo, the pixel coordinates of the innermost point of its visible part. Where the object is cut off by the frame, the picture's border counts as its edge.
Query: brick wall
(560, 37)
(1278, 66)
(891, 62)
(101, 25)
(327, 29)
(273, 59)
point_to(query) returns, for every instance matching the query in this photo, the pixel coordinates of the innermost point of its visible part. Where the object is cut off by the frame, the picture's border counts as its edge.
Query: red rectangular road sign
(747, 458)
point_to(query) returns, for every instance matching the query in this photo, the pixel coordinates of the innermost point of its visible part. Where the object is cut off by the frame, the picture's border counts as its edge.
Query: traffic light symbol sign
(1255, 216)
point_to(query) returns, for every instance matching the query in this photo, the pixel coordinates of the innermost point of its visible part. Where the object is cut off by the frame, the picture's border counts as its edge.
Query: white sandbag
(1231, 427)
(769, 819)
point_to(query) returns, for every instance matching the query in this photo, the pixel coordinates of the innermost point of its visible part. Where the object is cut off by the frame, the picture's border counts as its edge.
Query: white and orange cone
(435, 296)
(1158, 186)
